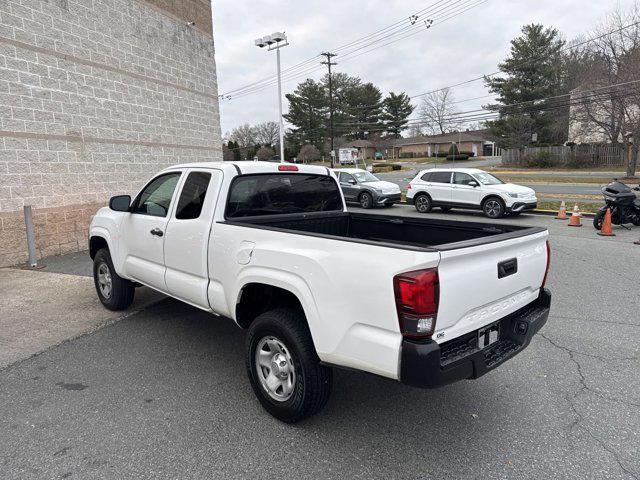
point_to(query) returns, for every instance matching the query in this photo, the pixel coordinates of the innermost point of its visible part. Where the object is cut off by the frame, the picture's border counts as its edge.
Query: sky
(453, 50)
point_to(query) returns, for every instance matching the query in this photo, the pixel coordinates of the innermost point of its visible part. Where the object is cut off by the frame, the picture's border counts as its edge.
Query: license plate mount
(488, 335)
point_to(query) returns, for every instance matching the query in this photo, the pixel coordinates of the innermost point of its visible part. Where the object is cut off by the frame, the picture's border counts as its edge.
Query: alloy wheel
(492, 208)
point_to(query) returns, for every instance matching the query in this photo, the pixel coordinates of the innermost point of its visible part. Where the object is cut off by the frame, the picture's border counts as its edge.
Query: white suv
(468, 188)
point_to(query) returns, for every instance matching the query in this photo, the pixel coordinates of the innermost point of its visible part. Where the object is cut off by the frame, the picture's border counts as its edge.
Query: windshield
(363, 177)
(487, 179)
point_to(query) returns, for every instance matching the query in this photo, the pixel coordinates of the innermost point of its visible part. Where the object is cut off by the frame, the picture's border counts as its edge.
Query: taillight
(417, 296)
(408, 186)
(546, 270)
(287, 168)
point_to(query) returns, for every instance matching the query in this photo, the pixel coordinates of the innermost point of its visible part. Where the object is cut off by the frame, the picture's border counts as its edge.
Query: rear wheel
(115, 292)
(423, 203)
(366, 200)
(283, 367)
(493, 207)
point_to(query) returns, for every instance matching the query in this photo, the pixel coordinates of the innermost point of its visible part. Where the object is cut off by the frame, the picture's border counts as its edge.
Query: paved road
(163, 394)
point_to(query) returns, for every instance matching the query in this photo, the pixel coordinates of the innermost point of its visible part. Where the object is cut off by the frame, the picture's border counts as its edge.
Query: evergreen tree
(396, 110)
(364, 107)
(308, 109)
(534, 71)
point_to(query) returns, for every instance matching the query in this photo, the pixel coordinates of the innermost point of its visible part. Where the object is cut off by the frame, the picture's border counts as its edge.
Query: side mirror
(120, 203)
(352, 181)
(473, 183)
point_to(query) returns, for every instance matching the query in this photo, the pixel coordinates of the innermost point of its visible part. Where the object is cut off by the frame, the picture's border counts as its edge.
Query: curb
(546, 213)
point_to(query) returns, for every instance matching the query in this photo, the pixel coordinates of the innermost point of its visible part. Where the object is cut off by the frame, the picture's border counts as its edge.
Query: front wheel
(598, 220)
(366, 200)
(283, 367)
(493, 208)
(114, 292)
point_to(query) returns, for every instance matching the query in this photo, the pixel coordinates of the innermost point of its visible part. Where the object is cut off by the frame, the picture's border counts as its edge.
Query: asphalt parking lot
(163, 393)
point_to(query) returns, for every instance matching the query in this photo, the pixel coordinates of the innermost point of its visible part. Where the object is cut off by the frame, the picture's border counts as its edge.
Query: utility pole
(329, 63)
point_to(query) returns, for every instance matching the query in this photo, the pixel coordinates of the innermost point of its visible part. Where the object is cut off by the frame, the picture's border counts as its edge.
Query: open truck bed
(390, 231)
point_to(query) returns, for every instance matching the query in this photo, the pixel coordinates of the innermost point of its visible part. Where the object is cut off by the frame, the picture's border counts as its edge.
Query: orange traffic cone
(606, 230)
(574, 221)
(562, 213)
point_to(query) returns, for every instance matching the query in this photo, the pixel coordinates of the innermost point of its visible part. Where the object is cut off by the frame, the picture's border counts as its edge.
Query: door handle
(157, 232)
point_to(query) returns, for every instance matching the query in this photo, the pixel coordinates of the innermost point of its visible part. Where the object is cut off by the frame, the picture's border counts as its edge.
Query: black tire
(313, 381)
(598, 220)
(493, 207)
(365, 200)
(445, 209)
(422, 202)
(121, 292)
(389, 205)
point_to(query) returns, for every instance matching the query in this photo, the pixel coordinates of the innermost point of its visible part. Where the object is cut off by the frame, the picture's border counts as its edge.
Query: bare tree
(437, 110)
(416, 131)
(606, 104)
(244, 135)
(309, 153)
(267, 133)
(265, 153)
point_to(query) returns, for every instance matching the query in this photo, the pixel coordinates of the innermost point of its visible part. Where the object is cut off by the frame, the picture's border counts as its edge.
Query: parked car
(364, 188)
(273, 247)
(468, 188)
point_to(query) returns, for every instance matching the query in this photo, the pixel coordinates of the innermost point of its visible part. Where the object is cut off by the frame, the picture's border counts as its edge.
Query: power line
(268, 82)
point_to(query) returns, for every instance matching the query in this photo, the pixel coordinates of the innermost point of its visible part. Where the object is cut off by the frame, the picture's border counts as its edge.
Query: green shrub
(468, 154)
(441, 155)
(459, 156)
(392, 166)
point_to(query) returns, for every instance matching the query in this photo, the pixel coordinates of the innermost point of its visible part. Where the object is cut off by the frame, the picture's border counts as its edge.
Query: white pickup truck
(272, 246)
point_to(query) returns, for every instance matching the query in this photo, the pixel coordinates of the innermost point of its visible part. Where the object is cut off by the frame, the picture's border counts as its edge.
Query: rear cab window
(282, 193)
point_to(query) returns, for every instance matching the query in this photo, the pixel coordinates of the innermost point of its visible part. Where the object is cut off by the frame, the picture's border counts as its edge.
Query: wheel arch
(258, 293)
(492, 195)
(98, 239)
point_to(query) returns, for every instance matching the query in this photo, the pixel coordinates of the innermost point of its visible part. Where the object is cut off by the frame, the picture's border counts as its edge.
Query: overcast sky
(463, 47)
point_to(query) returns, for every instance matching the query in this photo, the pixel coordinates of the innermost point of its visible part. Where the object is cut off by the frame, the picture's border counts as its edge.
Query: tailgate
(472, 294)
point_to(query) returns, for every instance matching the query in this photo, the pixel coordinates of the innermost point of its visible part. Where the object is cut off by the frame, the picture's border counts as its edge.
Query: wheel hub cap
(105, 283)
(274, 367)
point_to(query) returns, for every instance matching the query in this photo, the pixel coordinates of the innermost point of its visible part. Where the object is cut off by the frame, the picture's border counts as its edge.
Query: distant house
(478, 142)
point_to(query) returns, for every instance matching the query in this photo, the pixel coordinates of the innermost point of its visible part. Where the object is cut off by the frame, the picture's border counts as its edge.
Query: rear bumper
(429, 365)
(409, 200)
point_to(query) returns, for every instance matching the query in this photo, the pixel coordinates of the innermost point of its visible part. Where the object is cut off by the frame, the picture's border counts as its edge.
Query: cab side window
(462, 178)
(155, 199)
(192, 195)
(440, 177)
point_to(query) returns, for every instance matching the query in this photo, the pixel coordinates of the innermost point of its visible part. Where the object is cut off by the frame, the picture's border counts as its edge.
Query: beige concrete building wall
(95, 97)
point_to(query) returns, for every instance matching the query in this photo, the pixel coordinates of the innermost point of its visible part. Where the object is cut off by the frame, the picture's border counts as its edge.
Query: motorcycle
(624, 205)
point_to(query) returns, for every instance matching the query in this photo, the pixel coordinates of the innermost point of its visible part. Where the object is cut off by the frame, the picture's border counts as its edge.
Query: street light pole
(280, 108)
(276, 41)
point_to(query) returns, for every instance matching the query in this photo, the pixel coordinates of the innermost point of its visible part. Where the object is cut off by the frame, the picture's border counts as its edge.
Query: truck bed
(391, 231)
